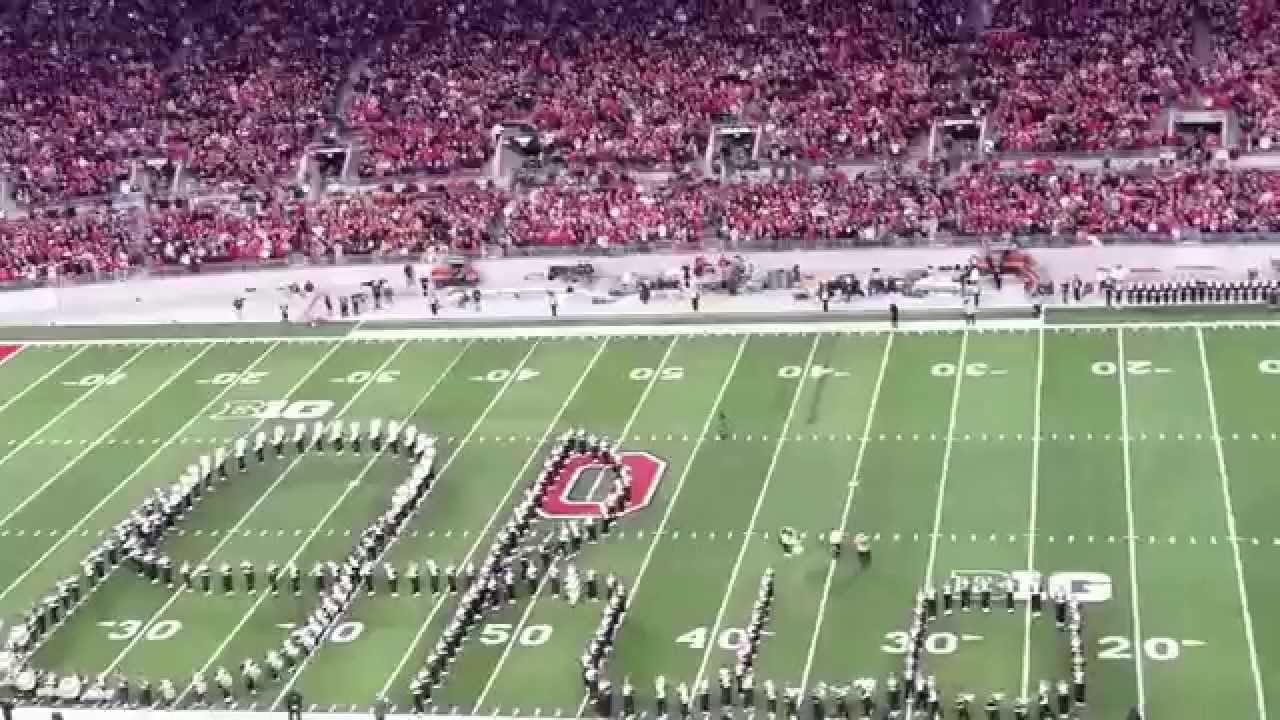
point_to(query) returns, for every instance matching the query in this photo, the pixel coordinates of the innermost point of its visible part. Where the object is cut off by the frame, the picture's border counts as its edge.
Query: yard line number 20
(1107, 368)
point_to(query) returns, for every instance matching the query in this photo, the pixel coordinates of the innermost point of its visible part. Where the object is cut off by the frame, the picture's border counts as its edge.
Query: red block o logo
(646, 471)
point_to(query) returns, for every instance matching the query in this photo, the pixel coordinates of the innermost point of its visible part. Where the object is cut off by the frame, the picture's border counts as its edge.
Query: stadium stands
(1245, 73)
(47, 248)
(1085, 76)
(233, 93)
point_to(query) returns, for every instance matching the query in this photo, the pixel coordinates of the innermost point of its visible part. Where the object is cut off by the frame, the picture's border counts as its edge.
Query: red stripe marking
(8, 351)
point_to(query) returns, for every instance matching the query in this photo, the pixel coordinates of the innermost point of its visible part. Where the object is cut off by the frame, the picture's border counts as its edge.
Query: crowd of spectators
(259, 82)
(234, 91)
(1070, 202)
(238, 89)
(48, 248)
(604, 217)
(1083, 76)
(193, 236)
(641, 84)
(986, 201)
(468, 218)
(385, 224)
(1245, 73)
(389, 224)
(80, 92)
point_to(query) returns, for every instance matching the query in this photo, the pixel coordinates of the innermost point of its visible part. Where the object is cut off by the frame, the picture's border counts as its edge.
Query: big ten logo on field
(1086, 587)
(579, 488)
(274, 410)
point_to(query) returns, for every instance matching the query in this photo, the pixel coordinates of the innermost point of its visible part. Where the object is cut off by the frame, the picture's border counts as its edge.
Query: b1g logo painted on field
(572, 494)
(1087, 587)
(274, 410)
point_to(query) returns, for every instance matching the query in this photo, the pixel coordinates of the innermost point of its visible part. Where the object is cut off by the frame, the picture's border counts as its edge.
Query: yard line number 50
(528, 636)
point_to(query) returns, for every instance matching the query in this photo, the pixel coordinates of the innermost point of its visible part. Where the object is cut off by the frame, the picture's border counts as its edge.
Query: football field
(1135, 465)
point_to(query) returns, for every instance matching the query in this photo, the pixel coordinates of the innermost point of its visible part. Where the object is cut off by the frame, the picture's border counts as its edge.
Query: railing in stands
(709, 244)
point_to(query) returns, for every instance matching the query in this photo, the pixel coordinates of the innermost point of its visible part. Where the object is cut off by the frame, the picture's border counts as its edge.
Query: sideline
(730, 327)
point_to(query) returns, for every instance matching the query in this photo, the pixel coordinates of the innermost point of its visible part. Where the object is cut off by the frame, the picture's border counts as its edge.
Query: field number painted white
(249, 377)
(96, 379)
(1269, 367)
(1087, 587)
(501, 375)
(1160, 649)
(360, 377)
(343, 632)
(1107, 368)
(793, 372)
(973, 369)
(500, 634)
(644, 374)
(729, 639)
(296, 410)
(274, 410)
(939, 643)
(128, 629)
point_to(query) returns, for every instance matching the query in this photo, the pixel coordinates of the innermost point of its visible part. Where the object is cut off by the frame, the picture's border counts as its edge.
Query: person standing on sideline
(293, 703)
(695, 298)
(970, 310)
(553, 302)
(893, 315)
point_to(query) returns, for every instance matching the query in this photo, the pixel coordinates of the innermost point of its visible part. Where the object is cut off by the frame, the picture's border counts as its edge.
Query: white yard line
(946, 463)
(848, 508)
(533, 601)
(1134, 600)
(749, 535)
(439, 474)
(266, 493)
(1033, 514)
(137, 471)
(40, 380)
(498, 509)
(936, 532)
(63, 413)
(1229, 507)
(729, 327)
(660, 532)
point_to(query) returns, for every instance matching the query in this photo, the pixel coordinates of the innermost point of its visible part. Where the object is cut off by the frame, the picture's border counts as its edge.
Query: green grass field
(1146, 455)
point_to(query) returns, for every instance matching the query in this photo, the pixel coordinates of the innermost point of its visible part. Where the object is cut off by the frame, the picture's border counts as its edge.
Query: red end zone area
(8, 351)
